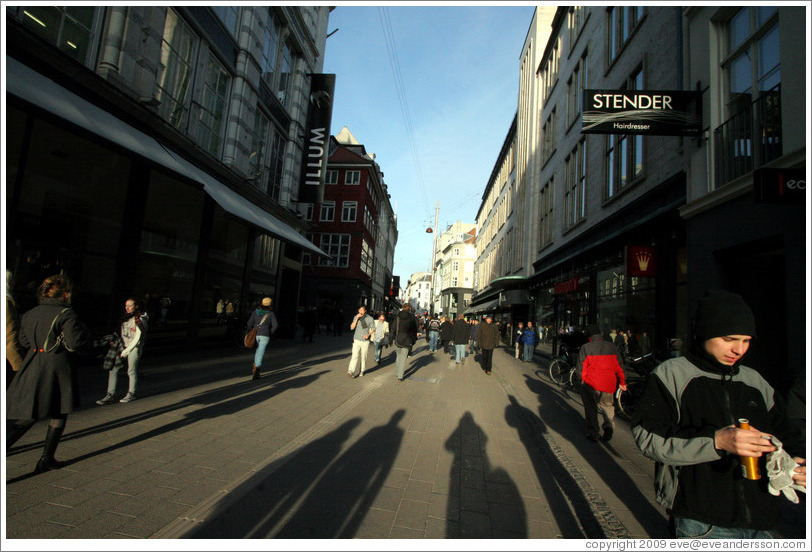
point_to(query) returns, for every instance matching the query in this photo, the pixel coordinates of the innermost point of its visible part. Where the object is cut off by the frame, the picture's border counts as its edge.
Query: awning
(490, 306)
(31, 86)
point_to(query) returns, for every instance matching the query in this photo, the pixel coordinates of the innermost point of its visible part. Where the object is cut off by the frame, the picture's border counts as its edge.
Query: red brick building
(356, 226)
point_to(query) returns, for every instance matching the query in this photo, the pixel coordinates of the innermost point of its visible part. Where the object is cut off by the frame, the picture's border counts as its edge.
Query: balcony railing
(750, 139)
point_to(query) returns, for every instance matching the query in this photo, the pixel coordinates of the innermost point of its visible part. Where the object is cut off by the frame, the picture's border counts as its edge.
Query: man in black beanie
(686, 422)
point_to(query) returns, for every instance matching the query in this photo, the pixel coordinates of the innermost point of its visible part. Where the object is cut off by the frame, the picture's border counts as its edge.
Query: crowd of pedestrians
(688, 421)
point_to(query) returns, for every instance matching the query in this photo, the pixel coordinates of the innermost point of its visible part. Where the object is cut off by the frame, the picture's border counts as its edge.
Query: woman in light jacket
(133, 332)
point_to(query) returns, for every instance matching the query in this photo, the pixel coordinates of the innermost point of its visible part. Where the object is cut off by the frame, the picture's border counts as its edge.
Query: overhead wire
(394, 62)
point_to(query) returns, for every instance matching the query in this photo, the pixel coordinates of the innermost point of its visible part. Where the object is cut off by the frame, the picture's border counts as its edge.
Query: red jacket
(599, 365)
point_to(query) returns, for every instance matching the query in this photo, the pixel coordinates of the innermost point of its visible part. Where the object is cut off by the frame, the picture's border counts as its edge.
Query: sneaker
(107, 399)
(362, 374)
(127, 398)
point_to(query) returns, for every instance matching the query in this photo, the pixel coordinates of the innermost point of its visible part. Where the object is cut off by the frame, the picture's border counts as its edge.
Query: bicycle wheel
(559, 371)
(573, 378)
(627, 400)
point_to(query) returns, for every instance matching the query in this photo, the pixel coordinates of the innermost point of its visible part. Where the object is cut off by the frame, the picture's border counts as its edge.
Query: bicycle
(562, 368)
(637, 372)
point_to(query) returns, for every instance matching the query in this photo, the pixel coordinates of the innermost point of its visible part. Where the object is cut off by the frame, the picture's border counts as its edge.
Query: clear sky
(431, 90)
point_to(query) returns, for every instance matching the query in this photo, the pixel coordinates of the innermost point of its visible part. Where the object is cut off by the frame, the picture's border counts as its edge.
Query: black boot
(47, 462)
(15, 430)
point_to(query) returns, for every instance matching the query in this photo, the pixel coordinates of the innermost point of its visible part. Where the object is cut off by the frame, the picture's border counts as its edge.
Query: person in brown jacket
(14, 351)
(488, 341)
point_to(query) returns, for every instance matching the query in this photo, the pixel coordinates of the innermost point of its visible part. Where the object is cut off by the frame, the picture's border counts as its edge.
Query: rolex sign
(641, 261)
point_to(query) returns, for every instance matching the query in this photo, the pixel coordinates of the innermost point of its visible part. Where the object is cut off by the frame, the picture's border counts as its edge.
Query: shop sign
(317, 138)
(569, 286)
(782, 186)
(649, 112)
(641, 261)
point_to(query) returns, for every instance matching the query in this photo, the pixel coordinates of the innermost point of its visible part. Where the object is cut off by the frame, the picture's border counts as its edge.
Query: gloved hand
(780, 467)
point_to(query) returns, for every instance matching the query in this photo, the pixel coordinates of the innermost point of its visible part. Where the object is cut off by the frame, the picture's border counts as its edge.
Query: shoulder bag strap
(59, 338)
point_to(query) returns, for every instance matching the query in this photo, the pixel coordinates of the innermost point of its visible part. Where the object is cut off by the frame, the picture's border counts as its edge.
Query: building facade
(601, 206)
(747, 206)
(418, 292)
(356, 227)
(154, 151)
(453, 279)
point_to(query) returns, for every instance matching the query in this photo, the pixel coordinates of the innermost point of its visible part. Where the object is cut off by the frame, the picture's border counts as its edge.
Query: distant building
(418, 292)
(155, 151)
(453, 279)
(357, 228)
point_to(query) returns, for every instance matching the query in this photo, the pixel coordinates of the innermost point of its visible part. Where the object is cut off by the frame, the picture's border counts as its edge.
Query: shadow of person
(483, 502)
(557, 412)
(570, 508)
(316, 492)
(263, 504)
(338, 504)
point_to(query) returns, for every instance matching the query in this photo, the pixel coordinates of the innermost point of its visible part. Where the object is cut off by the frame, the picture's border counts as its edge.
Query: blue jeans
(262, 344)
(132, 373)
(528, 352)
(433, 338)
(691, 529)
(378, 345)
(460, 350)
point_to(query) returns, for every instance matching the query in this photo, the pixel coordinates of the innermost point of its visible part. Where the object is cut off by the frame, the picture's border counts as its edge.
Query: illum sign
(651, 112)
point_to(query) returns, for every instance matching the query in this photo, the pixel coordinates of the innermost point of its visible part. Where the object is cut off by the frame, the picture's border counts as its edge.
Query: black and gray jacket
(678, 414)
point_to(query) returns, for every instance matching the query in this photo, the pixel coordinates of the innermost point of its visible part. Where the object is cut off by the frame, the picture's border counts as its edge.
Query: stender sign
(652, 112)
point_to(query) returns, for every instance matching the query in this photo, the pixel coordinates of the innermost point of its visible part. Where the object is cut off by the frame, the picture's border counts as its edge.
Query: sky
(431, 90)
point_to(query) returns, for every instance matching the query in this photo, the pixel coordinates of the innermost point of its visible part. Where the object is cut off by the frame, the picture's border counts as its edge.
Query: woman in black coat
(445, 334)
(46, 384)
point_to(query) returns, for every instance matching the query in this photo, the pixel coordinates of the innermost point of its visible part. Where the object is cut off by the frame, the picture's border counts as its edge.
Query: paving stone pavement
(308, 453)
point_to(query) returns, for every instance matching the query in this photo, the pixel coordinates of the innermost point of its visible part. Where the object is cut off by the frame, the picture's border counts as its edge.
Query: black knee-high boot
(47, 462)
(16, 429)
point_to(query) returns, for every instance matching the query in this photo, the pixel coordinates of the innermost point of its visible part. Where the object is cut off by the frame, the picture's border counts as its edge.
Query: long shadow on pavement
(558, 484)
(483, 502)
(565, 420)
(220, 401)
(314, 493)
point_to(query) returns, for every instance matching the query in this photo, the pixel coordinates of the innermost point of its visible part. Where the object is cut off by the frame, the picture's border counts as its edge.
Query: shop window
(225, 264)
(169, 244)
(68, 212)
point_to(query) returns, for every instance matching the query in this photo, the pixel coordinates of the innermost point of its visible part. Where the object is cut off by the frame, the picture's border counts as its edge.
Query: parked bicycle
(562, 368)
(637, 370)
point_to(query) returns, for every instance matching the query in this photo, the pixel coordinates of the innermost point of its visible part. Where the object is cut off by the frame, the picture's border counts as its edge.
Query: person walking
(433, 329)
(46, 384)
(518, 335)
(488, 340)
(263, 318)
(445, 334)
(14, 351)
(219, 311)
(405, 336)
(530, 339)
(380, 338)
(132, 331)
(686, 422)
(474, 334)
(460, 334)
(601, 374)
(363, 327)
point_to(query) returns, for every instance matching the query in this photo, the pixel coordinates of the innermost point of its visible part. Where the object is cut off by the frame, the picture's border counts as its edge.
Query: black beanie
(723, 313)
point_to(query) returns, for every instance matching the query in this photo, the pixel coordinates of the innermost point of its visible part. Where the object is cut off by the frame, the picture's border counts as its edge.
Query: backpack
(434, 325)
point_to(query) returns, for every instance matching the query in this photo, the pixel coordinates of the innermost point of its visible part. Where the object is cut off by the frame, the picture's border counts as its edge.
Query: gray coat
(46, 384)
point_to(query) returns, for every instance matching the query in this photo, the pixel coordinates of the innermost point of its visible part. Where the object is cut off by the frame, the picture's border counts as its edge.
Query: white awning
(43, 92)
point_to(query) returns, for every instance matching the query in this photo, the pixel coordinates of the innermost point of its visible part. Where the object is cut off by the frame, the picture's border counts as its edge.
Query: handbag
(250, 339)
